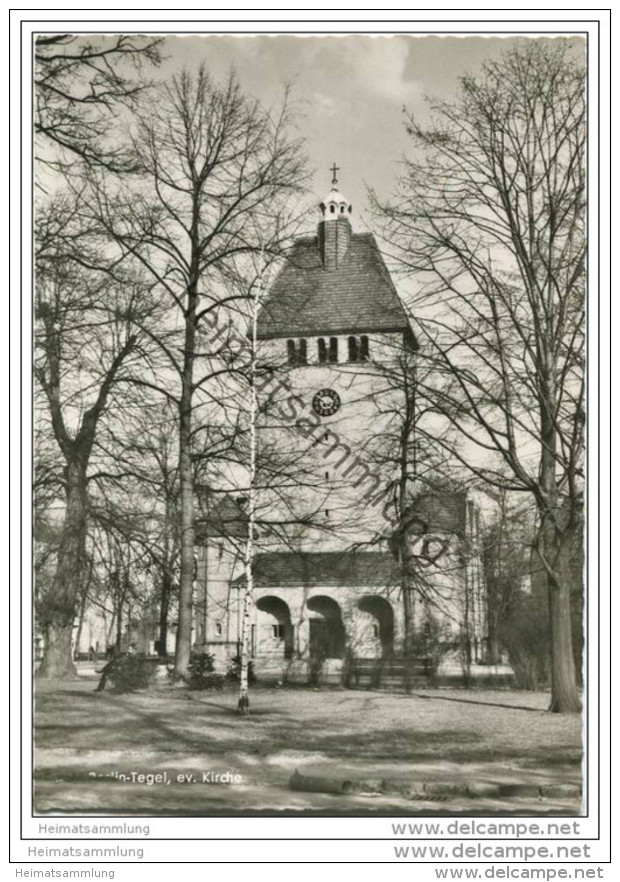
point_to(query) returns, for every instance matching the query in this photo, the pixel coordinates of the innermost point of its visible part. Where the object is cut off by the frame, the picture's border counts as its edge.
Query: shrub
(525, 634)
(432, 643)
(234, 670)
(130, 673)
(201, 673)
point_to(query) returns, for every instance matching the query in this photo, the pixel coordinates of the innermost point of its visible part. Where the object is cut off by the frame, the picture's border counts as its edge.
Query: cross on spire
(333, 170)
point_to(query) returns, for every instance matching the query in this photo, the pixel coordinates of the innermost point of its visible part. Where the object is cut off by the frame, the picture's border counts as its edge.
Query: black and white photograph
(309, 423)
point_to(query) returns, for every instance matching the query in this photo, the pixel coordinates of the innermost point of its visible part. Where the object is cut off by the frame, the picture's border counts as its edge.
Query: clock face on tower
(326, 402)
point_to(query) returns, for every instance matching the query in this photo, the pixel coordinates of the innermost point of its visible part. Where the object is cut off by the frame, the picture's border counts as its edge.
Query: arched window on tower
(291, 352)
(322, 351)
(353, 353)
(333, 349)
(364, 348)
(332, 208)
(297, 354)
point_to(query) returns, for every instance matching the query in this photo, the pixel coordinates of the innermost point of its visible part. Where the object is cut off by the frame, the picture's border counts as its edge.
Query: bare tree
(210, 160)
(405, 453)
(119, 537)
(87, 341)
(491, 222)
(85, 336)
(244, 699)
(81, 85)
(137, 473)
(506, 549)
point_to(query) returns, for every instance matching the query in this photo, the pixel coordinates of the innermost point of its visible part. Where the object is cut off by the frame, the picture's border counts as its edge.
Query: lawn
(83, 740)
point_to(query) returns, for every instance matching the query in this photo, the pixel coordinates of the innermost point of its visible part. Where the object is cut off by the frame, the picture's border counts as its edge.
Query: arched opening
(379, 623)
(303, 352)
(322, 351)
(353, 354)
(275, 629)
(327, 636)
(333, 349)
(364, 354)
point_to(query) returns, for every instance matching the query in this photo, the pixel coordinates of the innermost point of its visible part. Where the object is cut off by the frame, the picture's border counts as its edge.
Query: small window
(333, 349)
(327, 476)
(364, 349)
(353, 353)
(342, 209)
(332, 208)
(375, 631)
(322, 351)
(470, 514)
(218, 629)
(278, 631)
(291, 352)
(297, 354)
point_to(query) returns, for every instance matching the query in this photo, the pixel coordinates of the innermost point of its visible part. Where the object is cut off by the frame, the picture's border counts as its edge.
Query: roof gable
(226, 517)
(357, 296)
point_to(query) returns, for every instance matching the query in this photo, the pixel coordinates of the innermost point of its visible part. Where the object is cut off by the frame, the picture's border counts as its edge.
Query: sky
(351, 89)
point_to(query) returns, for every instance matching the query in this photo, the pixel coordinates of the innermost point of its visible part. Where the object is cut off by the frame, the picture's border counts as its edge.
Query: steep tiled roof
(323, 568)
(307, 299)
(438, 512)
(225, 517)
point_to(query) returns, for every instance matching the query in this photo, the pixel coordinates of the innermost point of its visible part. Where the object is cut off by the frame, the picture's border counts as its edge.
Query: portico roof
(328, 568)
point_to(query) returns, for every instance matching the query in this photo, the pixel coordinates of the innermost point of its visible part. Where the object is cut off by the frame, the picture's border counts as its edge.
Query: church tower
(330, 326)
(328, 585)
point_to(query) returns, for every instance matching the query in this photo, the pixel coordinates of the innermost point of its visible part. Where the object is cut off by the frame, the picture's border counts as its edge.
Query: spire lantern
(335, 205)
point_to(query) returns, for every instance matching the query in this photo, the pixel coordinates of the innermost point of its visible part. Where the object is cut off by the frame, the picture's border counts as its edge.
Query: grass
(436, 733)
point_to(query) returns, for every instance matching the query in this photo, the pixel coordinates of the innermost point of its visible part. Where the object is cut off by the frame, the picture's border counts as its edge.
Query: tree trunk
(186, 581)
(243, 705)
(495, 655)
(409, 628)
(57, 608)
(57, 660)
(565, 697)
(553, 542)
(162, 643)
(186, 482)
(119, 629)
(78, 635)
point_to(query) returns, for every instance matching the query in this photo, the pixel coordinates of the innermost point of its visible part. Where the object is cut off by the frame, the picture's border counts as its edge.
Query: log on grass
(320, 783)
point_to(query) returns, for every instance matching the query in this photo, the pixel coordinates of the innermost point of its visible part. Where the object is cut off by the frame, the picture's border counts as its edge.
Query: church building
(328, 586)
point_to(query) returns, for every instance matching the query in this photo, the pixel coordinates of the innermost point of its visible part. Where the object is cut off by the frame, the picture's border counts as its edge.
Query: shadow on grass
(536, 710)
(213, 727)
